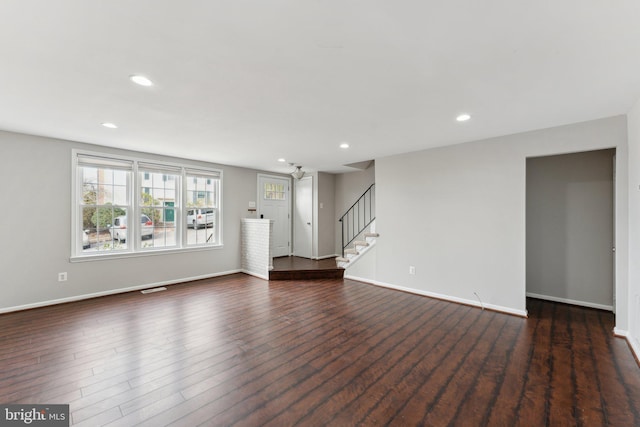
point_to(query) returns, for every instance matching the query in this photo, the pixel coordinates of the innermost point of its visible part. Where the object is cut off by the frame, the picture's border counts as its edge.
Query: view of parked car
(119, 228)
(197, 218)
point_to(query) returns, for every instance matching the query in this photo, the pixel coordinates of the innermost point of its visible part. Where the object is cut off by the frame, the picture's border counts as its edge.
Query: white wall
(36, 244)
(633, 293)
(570, 228)
(458, 214)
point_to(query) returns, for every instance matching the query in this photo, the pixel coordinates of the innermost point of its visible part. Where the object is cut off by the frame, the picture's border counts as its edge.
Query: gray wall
(326, 219)
(570, 227)
(36, 189)
(458, 214)
(633, 293)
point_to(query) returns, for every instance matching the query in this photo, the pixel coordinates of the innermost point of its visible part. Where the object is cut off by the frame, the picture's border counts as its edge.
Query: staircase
(358, 228)
(358, 248)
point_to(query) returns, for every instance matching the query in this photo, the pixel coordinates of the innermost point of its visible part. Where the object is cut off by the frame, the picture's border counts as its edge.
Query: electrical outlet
(62, 277)
(412, 270)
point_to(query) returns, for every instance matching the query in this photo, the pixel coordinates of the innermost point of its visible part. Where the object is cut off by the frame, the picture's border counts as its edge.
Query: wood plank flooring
(297, 268)
(237, 350)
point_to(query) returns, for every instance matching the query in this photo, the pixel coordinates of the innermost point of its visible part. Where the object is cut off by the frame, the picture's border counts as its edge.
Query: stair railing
(358, 217)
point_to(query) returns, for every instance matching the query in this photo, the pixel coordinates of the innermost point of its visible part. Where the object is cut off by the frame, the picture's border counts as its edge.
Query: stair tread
(371, 235)
(360, 243)
(341, 259)
(351, 251)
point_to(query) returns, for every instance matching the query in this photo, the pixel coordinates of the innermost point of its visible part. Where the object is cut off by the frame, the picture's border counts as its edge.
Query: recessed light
(110, 125)
(463, 117)
(281, 160)
(344, 145)
(141, 80)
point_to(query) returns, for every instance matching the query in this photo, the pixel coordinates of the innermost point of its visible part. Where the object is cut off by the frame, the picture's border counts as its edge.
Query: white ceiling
(245, 82)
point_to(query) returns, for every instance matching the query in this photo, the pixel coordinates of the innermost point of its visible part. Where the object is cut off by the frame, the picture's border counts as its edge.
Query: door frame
(289, 202)
(614, 258)
(313, 217)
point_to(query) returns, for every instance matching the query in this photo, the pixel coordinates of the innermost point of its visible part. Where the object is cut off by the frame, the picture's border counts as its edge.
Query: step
(334, 273)
(371, 235)
(351, 251)
(360, 243)
(342, 259)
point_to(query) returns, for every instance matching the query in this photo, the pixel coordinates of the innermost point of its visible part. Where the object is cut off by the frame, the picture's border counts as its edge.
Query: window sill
(151, 252)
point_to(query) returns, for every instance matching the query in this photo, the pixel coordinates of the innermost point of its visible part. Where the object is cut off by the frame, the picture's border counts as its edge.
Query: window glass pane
(204, 233)
(273, 191)
(161, 237)
(111, 228)
(201, 213)
(158, 201)
(104, 194)
(120, 177)
(120, 196)
(104, 201)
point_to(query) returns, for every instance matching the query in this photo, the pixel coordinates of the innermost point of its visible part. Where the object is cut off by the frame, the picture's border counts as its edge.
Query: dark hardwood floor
(238, 350)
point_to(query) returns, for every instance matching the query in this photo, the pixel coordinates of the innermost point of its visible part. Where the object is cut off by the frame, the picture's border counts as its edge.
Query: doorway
(570, 228)
(274, 202)
(303, 218)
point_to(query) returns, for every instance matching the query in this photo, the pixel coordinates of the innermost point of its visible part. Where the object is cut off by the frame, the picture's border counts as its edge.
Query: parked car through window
(119, 228)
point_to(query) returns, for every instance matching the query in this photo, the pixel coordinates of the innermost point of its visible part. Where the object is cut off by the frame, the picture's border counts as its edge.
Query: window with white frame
(202, 210)
(104, 202)
(274, 191)
(159, 202)
(125, 205)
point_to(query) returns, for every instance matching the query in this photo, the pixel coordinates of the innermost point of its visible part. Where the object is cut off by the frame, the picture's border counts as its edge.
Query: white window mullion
(134, 219)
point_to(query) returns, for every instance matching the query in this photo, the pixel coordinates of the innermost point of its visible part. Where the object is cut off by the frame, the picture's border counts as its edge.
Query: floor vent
(150, 291)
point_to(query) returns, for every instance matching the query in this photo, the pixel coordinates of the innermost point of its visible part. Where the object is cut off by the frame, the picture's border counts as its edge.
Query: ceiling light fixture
(463, 117)
(141, 80)
(298, 173)
(344, 145)
(281, 160)
(110, 125)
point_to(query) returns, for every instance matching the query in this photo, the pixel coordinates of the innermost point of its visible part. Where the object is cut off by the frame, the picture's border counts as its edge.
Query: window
(111, 191)
(158, 204)
(202, 207)
(104, 203)
(273, 191)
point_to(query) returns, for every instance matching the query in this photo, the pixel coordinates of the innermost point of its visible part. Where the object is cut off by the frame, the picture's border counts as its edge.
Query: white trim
(259, 199)
(635, 346)
(571, 301)
(148, 252)
(251, 273)
(361, 253)
(474, 303)
(115, 291)
(620, 333)
(325, 257)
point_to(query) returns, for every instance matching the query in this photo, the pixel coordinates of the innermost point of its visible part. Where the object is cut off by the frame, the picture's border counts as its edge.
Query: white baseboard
(474, 303)
(635, 346)
(251, 273)
(325, 257)
(571, 301)
(114, 291)
(620, 333)
(633, 343)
